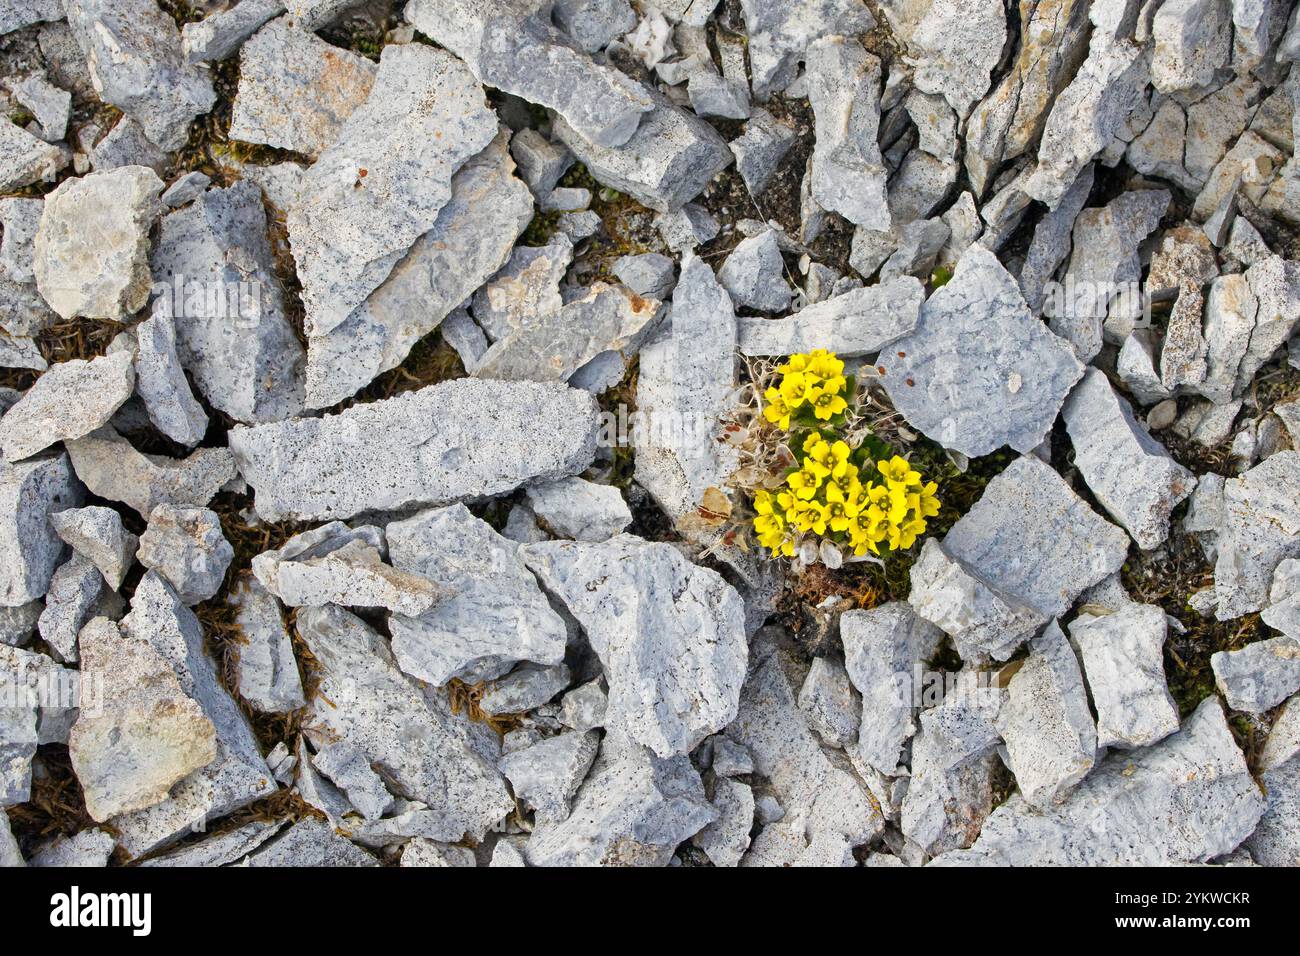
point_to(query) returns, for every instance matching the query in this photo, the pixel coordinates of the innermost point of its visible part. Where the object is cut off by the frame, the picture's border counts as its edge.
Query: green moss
(542, 229)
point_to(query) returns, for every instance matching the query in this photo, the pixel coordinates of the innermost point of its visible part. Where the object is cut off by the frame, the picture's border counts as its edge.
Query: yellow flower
(777, 411)
(825, 365)
(840, 508)
(867, 531)
(808, 479)
(826, 404)
(834, 457)
(796, 364)
(903, 536)
(898, 472)
(797, 388)
(922, 502)
(811, 442)
(813, 517)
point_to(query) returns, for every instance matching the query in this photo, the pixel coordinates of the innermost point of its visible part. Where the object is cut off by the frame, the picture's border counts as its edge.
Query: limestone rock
(1260, 675)
(579, 509)
(754, 274)
(1052, 242)
(149, 734)
(186, 546)
(830, 703)
(310, 842)
(266, 672)
(219, 35)
(91, 251)
(760, 149)
(69, 603)
(1192, 40)
(161, 382)
(1276, 841)
(1260, 527)
(525, 688)
(952, 45)
(1123, 660)
(547, 775)
(980, 371)
(439, 444)
(351, 574)
(26, 159)
(70, 400)
(852, 324)
(495, 616)
(780, 34)
(30, 492)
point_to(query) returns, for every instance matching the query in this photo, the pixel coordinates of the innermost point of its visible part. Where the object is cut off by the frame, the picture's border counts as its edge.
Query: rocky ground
(372, 383)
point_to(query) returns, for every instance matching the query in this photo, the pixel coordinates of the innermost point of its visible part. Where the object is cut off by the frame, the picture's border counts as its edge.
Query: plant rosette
(841, 495)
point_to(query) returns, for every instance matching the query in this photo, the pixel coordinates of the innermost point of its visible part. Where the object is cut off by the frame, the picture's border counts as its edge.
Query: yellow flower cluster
(815, 380)
(827, 496)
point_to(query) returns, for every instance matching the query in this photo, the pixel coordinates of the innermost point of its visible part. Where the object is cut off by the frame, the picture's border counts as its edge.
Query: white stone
(580, 509)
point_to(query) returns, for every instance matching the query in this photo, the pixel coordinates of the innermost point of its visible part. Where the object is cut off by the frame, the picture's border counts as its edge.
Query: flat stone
(687, 374)
(1050, 735)
(496, 614)
(126, 144)
(353, 574)
(422, 852)
(953, 758)
(1192, 41)
(919, 243)
(1276, 841)
(649, 274)
(111, 468)
(30, 492)
(310, 842)
(580, 509)
(725, 840)
(1261, 527)
(266, 671)
(50, 689)
(70, 400)
(546, 775)
(882, 648)
(26, 159)
(149, 734)
(829, 702)
(470, 240)
(295, 90)
(1160, 149)
(712, 94)
(541, 162)
(754, 274)
(223, 849)
(593, 24)
(1130, 473)
(835, 813)
(852, 324)
(23, 13)
(21, 218)
(238, 775)
(980, 371)
(350, 771)
(69, 603)
(426, 752)
(346, 237)
(186, 546)
(133, 51)
(670, 635)
(17, 624)
(1283, 612)
(50, 105)
(423, 447)
(525, 688)
(668, 161)
(89, 848)
(952, 45)
(584, 708)
(780, 34)
(760, 148)
(1259, 676)
(1123, 659)
(1188, 799)
(848, 175)
(1052, 241)
(983, 620)
(634, 809)
(1030, 510)
(1275, 283)
(92, 248)
(1230, 313)
(161, 383)
(221, 34)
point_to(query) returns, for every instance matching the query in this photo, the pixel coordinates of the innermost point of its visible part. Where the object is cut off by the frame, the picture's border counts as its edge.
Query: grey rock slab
(54, 692)
(149, 734)
(1123, 660)
(239, 774)
(525, 688)
(1230, 313)
(848, 175)
(23, 13)
(30, 492)
(221, 34)
(215, 276)
(814, 785)
(1275, 283)
(161, 383)
(1276, 841)
(592, 24)
(187, 188)
(983, 620)
(1052, 242)
(1192, 39)
(1283, 612)
(882, 648)
(541, 162)
(980, 371)
(1259, 676)
(470, 240)
(69, 603)
(91, 256)
(580, 509)
(514, 47)
(852, 324)
(20, 219)
(830, 703)
(70, 400)
(312, 843)
(528, 285)
(422, 852)
(1050, 736)
(754, 274)
(295, 90)
(18, 739)
(50, 105)
(649, 273)
(127, 145)
(20, 352)
(133, 51)
(410, 734)
(670, 159)
(186, 546)
(760, 148)
(919, 243)
(584, 708)
(725, 840)
(26, 159)
(221, 850)
(1030, 510)
(17, 624)
(712, 94)
(1188, 799)
(953, 758)
(425, 117)
(1261, 527)
(314, 14)
(266, 671)
(547, 775)
(89, 848)
(670, 635)
(351, 772)
(111, 468)
(1131, 474)
(780, 34)
(496, 615)
(687, 375)
(952, 45)
(353, 575)
(424, 447)
(634, 809)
